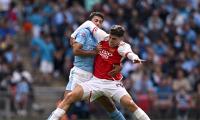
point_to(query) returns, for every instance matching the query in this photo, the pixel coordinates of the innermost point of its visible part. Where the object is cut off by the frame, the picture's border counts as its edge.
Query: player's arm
(78, 51)
(116, 69)
(78, 44)
(126, 51)
(98, 33)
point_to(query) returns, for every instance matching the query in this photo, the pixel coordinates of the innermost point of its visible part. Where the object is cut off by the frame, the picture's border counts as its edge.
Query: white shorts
(46, 67)
(96, 87)
(77, 76)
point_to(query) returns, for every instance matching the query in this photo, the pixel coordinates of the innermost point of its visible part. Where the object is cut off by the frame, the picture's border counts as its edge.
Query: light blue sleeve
(81, 37)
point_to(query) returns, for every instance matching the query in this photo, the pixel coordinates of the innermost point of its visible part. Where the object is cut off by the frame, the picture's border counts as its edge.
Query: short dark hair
(117, 30)
(99, 14)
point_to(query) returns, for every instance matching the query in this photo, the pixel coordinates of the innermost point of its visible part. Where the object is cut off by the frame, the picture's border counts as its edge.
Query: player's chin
(113, 45)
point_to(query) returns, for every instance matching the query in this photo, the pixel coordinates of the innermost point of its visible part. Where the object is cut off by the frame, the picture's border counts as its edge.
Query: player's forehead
(114, 36)
(97, 18)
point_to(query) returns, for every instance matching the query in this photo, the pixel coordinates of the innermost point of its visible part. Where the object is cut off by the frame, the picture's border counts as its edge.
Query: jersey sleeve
(98, 33)
(86, 24)
(81, 36)
(125, 50)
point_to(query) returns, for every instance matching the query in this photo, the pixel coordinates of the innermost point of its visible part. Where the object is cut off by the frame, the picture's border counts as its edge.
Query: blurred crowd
(15, 80)
(163, 32)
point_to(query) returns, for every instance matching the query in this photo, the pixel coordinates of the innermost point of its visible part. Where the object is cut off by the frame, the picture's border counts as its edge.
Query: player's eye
(113, 38)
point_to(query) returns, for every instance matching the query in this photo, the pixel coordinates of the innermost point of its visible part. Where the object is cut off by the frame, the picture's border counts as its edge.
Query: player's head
(97, 18)
(116, 35)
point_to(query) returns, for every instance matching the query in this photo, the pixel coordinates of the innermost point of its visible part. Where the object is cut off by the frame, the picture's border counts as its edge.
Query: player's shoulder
(106, 39)
(84, 32)
(123, 46)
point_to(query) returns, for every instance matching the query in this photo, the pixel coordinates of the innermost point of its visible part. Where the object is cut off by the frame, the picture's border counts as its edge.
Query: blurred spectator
(4, 68)
(183, 103)
(194, 77)
(181, 82)
(141, 39)
(89, 4)
(157, 75)
(37, 21)
(196, 47)
(35, 46)
(127, 67)
(59, 57)
(22, 80)
(21, 98)
(143, 85)
(5, 28)
(195, 18)
(196, 98)
(47, 51)
(12, 16)
(188, 33)
(159, 47)
(154, 22)
(11, 55)
(4, 5)
(164, 94)
(144, 90)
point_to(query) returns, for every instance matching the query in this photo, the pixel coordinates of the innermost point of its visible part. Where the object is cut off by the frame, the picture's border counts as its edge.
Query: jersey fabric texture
(105, 60)
(88, 42)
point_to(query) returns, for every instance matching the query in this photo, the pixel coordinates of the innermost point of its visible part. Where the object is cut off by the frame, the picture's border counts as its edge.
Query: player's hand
(116, 69)
(98, 48)
(138, 60)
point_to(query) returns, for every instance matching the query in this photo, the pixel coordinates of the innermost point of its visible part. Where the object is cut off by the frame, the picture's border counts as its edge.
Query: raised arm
(98, 33)
(126, 51)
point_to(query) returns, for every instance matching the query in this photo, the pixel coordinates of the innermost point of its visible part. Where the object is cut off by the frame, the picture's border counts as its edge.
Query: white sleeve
(126, 51)
(98, 34)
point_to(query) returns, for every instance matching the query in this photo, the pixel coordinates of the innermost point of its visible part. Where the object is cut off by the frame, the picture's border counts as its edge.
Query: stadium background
(164, 32)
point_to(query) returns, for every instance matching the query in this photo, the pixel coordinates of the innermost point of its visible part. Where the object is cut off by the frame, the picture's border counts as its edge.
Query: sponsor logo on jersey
(105, 54)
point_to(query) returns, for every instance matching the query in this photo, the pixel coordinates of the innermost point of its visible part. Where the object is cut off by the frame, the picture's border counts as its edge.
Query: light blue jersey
(88, 42)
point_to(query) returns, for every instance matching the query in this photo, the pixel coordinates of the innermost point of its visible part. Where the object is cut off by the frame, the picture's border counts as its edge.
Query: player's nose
(98, 24)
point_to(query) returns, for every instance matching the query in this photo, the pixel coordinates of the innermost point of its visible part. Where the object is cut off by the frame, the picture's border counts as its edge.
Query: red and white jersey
(108, 57)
